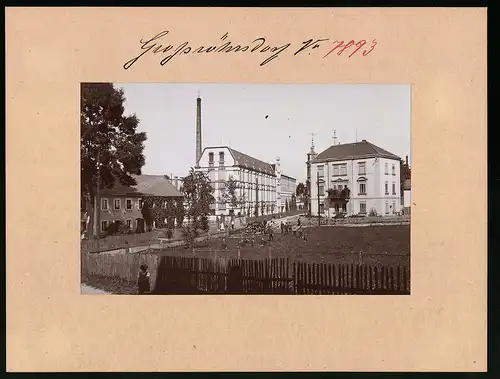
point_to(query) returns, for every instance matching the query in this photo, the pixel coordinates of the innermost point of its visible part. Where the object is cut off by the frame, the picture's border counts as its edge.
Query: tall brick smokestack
(198, 130)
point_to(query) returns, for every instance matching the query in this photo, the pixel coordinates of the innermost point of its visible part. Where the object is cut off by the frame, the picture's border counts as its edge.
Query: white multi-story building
(257, 183)
(261, 186)
(371, 174)
(288, 186)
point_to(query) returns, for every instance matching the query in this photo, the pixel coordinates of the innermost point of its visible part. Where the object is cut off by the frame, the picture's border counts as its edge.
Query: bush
(373, 212)
(204, 223)
(118, 228)
(359, 215)
(189, 235)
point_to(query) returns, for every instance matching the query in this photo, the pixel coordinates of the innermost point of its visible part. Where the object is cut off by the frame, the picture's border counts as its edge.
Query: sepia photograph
(235, 188)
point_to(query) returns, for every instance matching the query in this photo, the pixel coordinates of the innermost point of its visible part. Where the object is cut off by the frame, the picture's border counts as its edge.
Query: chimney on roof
(176, 182)
(198, 130)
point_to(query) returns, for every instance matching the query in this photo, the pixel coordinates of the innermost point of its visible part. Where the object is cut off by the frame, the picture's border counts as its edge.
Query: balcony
(339, 195)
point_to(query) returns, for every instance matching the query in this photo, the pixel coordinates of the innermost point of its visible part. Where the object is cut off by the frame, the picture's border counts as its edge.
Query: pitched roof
(154, 185)
(363, 149)
(288, 177)
(251, 163)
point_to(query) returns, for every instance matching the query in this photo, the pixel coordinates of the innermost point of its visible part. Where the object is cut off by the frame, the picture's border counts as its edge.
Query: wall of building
(109, 214)
(287, 189)
(407, 198)
(252, 185)
(374, 178)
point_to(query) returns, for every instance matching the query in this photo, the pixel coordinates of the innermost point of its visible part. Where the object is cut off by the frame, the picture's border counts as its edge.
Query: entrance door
(140, 225)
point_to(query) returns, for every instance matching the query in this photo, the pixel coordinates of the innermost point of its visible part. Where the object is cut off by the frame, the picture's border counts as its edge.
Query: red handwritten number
(341, 47)
(348, 45)
(359, 45)
(340, 43)
(374, 43)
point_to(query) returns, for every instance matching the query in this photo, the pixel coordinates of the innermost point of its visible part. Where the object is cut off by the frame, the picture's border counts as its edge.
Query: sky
(266, 120)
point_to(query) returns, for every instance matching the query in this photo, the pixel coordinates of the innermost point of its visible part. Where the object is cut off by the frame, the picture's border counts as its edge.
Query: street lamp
(318, 181)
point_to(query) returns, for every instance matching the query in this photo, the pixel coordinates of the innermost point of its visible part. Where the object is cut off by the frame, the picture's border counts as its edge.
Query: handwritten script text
(159, 46)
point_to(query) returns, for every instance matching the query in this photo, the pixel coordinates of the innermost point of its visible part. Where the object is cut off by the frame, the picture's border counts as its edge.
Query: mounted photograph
(239, 188)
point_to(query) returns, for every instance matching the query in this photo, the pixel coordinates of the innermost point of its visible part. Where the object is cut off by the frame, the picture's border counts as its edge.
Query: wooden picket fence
(119, 266)
(191, 275)
(350, 279)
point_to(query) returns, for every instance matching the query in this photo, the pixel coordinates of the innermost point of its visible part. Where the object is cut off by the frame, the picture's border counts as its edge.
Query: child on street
(143, 280)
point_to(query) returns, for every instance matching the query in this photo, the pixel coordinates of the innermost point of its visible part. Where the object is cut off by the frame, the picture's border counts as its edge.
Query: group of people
(221, 223)
(287, 228)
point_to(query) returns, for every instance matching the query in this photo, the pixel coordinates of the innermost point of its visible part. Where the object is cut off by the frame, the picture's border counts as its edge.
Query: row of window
(211, 158)
(117, 204)
(246, 177)
(388, 208)
(362, 188)
(222, 205)
(242, 185)
(387, 169)
(106, 223)
(362, 207)
(387, 188)
(341, 169)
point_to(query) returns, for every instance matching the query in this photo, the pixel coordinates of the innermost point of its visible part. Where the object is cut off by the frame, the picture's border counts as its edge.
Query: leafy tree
(300, 190)
(161, 209)
(262, 207)
(286, 206)
(198, 197)
(404, 173)
(147, 214)
(179, 212)
(273, 206)
(170, 212)
(111, 149)
(229, 194)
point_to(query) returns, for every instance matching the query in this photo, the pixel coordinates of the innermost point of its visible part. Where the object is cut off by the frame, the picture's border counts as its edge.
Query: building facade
(368, 174)
(257, 183)
(407, 196)
(123, 204)
(288, 187)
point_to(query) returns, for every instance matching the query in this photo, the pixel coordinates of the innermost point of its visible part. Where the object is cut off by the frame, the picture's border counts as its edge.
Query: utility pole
(317, 183)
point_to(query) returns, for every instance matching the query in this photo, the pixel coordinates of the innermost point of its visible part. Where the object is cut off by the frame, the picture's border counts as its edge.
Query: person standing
(143, 283)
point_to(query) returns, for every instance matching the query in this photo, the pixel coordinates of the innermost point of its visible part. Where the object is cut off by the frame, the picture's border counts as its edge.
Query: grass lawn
(387, 245)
